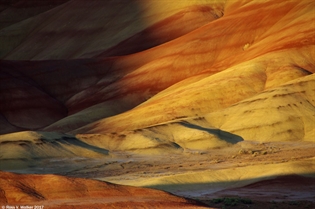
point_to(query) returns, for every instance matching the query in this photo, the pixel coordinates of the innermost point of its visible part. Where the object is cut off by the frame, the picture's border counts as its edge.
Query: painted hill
(76, 29)
(217, 65)
(53, 191)
(110, 80)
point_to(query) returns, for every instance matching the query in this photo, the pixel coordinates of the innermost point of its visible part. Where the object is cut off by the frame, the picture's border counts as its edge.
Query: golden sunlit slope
(29, 145)
(254, 47)
(53, 191)
(204, 183)
(284, 113)
(54, 89)
(87, 87)
(27, 149)
(237, 41)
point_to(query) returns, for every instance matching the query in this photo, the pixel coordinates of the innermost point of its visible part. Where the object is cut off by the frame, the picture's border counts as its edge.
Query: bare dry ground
(206, 99)
(247, 174)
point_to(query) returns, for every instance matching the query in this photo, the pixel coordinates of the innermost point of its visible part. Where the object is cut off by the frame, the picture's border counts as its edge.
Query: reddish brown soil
(52, 191)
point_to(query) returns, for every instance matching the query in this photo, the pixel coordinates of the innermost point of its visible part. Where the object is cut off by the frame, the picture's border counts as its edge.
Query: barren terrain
(104, 103)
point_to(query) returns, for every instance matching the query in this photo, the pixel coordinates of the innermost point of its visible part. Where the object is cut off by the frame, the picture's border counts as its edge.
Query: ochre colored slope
(88, 77)
(28, 145)
(53, 191)
(219, 64)
(285, 113)
(88, 87)
(205, 183)
(254, 47)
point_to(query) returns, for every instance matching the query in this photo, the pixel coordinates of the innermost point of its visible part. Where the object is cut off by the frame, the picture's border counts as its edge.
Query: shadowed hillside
(124, 91)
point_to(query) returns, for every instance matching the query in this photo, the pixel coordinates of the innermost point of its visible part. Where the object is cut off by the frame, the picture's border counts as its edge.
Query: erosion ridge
(55, 191)
(161, 94)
